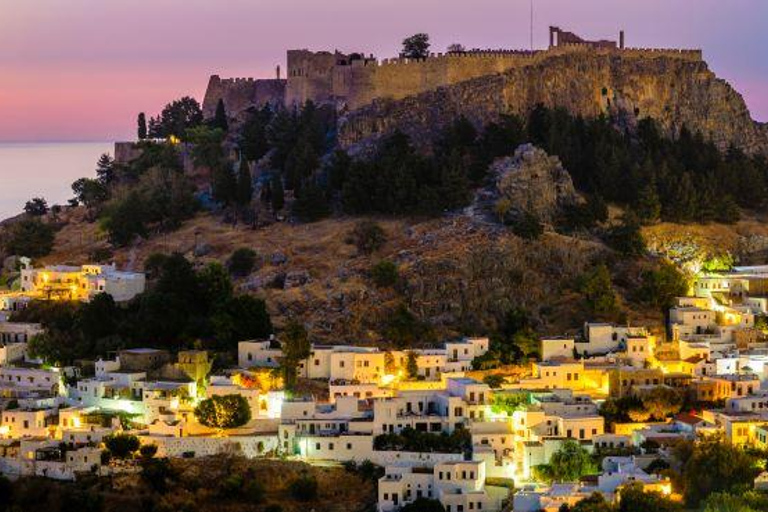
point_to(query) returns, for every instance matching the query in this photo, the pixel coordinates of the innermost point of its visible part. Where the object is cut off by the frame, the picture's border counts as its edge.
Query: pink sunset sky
(82, 69)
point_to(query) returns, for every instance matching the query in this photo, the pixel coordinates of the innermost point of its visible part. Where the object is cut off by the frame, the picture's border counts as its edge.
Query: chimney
(621, 39)
(278, 71)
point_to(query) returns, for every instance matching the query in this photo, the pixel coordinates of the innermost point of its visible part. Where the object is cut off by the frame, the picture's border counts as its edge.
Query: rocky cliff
(533, 181)
(676, 92)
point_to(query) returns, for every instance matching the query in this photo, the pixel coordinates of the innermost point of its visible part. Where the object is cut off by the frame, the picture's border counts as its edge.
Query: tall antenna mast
(531, 25)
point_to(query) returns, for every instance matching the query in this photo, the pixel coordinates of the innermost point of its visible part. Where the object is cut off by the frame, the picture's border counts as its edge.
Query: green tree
(404, 329)
(179, 116)
(122, 446)
(90, 193)
(412, 365)
(303, 488)
(495, 381)
(148, 451)
(569, 463)
(648, 204)
(36, 207)
(384, 274)
(105, 169)
(627, 237)
(30, 237)
(338, 169)
(244, 183)
(660, 286)
(634, 499)
(242, 262)
(311, 204)
(220, 117)
(423, 505)
(223, 411)
(296, 347)
(742, 502)
(253, 136)
(368, 237)
(595, 502)
(597, 288)
(278, 195)
(661, 402)
(528, 226)
(416, 46)
(141, 121)
(301, 163)
(207, 150)
(716, 465)
(241, 318)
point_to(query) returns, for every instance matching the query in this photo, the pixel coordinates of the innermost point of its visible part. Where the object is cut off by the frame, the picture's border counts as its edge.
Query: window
(317, 446)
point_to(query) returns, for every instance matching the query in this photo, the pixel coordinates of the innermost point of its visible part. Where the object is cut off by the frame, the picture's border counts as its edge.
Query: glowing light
(5, 430)
(388, 379)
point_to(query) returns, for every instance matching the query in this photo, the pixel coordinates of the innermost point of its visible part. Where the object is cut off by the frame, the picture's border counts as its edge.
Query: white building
(458, 486)
(80, 283)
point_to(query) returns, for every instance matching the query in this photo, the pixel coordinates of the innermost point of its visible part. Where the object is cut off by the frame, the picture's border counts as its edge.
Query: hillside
(457, 273)
(220, 483)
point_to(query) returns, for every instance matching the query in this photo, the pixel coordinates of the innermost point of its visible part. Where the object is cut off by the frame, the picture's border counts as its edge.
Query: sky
(81, 70)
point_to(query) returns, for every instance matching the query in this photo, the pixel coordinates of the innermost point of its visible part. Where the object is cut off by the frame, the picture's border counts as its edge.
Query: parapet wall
(319, 78)
(241, 93)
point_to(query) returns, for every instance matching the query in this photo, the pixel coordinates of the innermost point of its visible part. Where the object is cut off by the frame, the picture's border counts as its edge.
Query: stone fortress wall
(352, 81)
(241, 93)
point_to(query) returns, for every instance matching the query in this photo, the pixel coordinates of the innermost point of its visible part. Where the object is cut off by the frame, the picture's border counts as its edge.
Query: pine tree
(311, 205)
(105, 169)
(648, 207)
(278, 196)
(224, 185)
(244, 183)
(220, 118)
(142, 130)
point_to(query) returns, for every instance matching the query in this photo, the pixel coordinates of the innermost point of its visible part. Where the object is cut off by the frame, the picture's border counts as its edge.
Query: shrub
(30, 237)
(253, 491)
(368, 237)
(304, 488)
(148, 451)
(528, 226)
(242, 262)
(224, 411)
(493, 381)
(122, 445)
(384, 274)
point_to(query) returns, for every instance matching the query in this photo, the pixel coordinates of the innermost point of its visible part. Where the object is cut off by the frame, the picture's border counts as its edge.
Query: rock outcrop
(676, 92)
(533, 181)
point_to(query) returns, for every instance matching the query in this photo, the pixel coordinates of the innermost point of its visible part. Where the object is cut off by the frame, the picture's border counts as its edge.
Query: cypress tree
(142, 122)
(244, 183)
(278, 196)
(220, 118)
(224, 185)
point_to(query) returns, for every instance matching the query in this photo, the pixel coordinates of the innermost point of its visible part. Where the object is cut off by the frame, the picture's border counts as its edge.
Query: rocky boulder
(532, 181)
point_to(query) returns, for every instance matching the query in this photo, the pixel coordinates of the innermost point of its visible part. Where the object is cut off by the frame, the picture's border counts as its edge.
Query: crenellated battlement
(350, 81)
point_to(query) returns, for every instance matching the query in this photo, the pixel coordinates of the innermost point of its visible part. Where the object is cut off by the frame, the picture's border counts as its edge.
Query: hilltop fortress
(589, 78)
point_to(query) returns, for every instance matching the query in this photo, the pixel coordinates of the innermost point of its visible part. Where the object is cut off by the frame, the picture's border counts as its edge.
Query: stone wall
(674, 87)
(352, 83)
(241, 93)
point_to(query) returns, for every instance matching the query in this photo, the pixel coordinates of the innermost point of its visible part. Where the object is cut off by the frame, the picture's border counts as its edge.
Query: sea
(44, 169)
